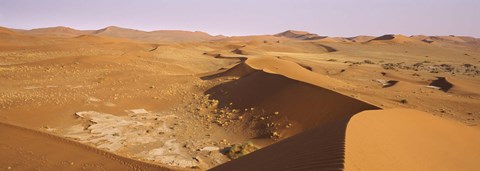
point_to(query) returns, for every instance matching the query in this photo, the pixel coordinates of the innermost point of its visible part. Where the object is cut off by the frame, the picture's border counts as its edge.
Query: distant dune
(59, 31)
(189, 36)
(301, 35)
(155, 36)
(6, 31)
(126, 99)
(138, 35)
(449, 40)
(391, 38)
(118, 32)
(361, 38)
(334, 40)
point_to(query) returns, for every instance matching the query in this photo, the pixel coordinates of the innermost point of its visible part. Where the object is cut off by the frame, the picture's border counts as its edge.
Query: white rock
(138, 111)
(211, 148)
(433, 87)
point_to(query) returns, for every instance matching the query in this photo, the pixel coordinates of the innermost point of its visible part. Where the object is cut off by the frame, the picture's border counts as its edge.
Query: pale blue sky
(248, 17)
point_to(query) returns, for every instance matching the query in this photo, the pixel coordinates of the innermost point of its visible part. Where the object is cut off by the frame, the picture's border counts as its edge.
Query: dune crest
(287, 98)
(394, 139)
(393, 38)
(405, 139)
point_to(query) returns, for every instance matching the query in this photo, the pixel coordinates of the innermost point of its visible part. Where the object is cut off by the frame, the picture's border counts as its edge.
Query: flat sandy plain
(123, 99)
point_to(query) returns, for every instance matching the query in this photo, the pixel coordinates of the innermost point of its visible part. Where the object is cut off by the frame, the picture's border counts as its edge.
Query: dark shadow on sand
(442, 83)
(323, 113)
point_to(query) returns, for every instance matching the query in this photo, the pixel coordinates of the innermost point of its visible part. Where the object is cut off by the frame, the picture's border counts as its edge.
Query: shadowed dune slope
(321, 148)
(24, 149)
(302, 35)
(272, 85)
(391, 38)
(361, 38)
(395, 139)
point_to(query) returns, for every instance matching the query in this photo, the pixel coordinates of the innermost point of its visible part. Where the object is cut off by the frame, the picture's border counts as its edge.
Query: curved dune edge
(391, 38)
(293, 70)
(406, 139)
(283, 94)
(25, 149)
(393, 139)
(276, 66)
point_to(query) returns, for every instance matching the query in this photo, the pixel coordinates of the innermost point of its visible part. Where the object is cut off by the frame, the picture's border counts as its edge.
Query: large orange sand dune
(395, 139)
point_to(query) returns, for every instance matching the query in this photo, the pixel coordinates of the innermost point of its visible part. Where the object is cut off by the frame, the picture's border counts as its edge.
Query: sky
(252, 17)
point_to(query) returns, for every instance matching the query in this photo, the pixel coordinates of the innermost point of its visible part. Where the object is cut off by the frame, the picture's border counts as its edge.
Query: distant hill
(118, 32)
(195, 36)
(457, 40)
(301, 35)
(155, 36)
(59, 31)
(6, 31)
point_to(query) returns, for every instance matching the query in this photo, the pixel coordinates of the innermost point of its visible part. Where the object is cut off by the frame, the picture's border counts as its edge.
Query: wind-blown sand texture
(124, 99)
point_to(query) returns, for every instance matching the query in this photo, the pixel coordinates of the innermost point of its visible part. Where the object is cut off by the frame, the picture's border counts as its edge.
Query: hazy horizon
(236, 18)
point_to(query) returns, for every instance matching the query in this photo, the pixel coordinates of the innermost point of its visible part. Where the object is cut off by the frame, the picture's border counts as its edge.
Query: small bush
(368, 62)
(239, 150)
(404, 101)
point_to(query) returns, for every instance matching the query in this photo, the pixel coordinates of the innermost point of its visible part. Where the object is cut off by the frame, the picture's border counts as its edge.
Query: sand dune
(59, 31)
(361, 38)
(265, 45)
(335, 40)
(189, 100)
(397, 139)
(390, 38)
(449, 40)
(125, 33)
(302, 35)
(100, 39)
(155, 36)
(321, 148)
(271, 85)
(24, 149)
(5, 31)
(401, 139)
(456, 86)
